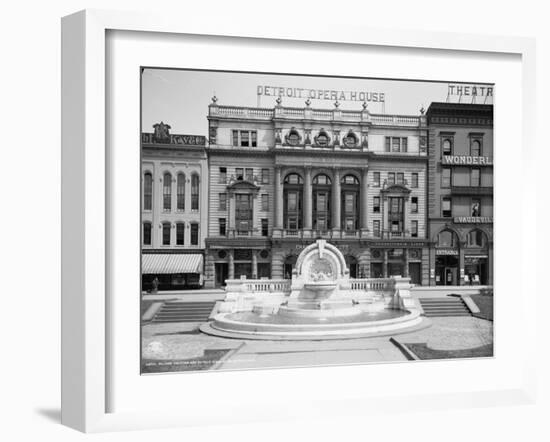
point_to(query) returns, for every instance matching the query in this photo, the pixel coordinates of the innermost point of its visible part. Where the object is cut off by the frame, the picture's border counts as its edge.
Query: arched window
(293, 178)
(350, 180)
(350, 203)
(322, 179)
(447, 147)
(180, 234)
(476, 238)
(181, 192)
(146, 233)
(446, 238)
(195, 192)
(167, 192)
(476, 148)
(148, 191)
(322, 202)
(292, 205)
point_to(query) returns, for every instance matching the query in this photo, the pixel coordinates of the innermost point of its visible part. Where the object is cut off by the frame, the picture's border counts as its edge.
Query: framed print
(278, 230)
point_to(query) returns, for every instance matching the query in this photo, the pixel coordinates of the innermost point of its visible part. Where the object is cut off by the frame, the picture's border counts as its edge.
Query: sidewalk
(186, 295)
(444, 290)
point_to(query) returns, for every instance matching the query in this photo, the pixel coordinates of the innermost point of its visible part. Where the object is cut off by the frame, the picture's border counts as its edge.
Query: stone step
(184, 312)
(444, 307)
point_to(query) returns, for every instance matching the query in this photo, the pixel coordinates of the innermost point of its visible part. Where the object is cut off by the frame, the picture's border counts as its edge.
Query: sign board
(446, 252)
(320, 94)
(464, 160)
(473, 219)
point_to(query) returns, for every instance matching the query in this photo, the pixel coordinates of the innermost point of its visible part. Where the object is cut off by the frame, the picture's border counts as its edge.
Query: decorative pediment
(242, 186)
(396, 189)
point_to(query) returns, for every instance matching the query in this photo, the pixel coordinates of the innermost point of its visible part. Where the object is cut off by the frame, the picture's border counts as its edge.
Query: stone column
(308, 199)
(385, 218)
(406, 217)
(385, 264)
(364, 200)
(406, 265)
(231, 272)
(254, 264)
(278, 198)
(460, 276)
(336, 200)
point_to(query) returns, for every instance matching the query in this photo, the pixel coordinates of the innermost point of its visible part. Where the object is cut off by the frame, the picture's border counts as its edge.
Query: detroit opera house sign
(320, 94)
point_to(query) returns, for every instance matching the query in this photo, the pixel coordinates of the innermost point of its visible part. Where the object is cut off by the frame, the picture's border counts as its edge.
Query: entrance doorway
(415, 273)
(222, 273)
(446, 270)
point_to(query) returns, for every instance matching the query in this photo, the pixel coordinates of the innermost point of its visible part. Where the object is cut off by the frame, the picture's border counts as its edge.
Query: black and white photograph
(299, 221)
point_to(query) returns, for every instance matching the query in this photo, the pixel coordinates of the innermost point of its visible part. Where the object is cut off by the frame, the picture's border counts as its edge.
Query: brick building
(174, 208)
(460, 186)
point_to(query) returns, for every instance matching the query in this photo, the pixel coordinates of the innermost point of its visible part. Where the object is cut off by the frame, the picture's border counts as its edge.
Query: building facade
(281, 177)
(460, 204)
(174, 204)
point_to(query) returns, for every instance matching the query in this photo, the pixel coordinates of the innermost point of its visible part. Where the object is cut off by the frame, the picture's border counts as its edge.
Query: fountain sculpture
(320, 302)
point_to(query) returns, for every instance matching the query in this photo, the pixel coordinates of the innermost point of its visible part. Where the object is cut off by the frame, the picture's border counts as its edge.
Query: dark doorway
(222, 273)
(415, 272)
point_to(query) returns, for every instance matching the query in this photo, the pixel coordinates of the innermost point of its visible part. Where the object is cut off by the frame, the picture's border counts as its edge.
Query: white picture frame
(86, 314)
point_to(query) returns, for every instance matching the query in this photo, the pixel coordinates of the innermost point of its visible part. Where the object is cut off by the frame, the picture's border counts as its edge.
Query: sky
(180, 98)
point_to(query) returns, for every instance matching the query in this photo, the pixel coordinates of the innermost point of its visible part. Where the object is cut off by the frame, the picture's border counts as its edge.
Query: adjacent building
(460, 188)
(281, 177)
(174, 179)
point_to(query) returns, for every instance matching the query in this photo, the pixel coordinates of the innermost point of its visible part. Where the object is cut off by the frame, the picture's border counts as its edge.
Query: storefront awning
(156, 263)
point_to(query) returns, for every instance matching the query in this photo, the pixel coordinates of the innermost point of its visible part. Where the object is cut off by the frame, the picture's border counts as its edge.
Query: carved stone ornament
(162, 133)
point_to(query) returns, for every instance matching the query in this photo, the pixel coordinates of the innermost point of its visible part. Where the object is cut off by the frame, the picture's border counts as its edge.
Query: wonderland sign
(320, 94)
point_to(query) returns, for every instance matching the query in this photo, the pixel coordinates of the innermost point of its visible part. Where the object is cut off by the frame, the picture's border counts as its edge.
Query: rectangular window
(180, 233)
(396, 205)
(414, 180)
(395, 144)
(446, 177)
(376, 179)
(265, 202)
(475, 177)
(265, 176)
(400, 178)
(265, 227)
(165, 234)
(249, 174)
(388, 144)
(254, 138)
(376, 204)
(148, 192)
(245, 138)
(223, 175)
(221, 223)
(403, 144)
(222, 203)
(446, 207)
(239, 173)
(194, 234)
(147, 234)
(414, 204)
(391, 178)
(414, 229)
(376, 228)
(235, 138)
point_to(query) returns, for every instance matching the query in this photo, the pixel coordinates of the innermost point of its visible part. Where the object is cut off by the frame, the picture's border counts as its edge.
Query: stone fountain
(320, 302)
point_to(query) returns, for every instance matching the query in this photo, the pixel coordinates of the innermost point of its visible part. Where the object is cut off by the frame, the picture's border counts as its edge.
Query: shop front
(171, 271)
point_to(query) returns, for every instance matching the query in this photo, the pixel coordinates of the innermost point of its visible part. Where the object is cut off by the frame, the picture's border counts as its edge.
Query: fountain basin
(249, 325)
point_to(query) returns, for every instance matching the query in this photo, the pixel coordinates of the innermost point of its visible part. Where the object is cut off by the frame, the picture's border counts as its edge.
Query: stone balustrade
(299, 113)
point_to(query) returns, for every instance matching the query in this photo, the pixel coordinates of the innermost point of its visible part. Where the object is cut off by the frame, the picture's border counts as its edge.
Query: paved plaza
(182, 347)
